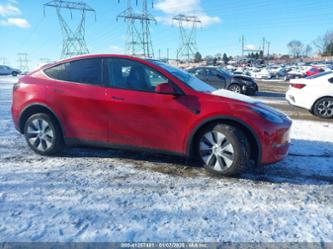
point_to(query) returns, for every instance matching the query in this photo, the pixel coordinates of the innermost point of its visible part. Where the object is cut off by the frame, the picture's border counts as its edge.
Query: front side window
(186, 77)
(131, 75)
(86, 71)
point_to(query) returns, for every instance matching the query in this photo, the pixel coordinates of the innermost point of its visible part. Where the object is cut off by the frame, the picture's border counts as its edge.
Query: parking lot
(111, 195)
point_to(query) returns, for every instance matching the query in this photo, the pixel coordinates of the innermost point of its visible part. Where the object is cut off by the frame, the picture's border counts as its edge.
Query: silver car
(5, 70)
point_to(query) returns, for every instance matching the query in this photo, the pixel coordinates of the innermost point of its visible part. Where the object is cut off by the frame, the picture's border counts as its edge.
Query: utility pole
(243, 44)
(167, 54)
(23, 62)
(263, 47)
(268, 47)
(188, 43)
(73, 39)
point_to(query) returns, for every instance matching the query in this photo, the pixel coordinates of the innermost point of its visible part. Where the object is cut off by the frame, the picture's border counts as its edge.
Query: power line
(73, 40)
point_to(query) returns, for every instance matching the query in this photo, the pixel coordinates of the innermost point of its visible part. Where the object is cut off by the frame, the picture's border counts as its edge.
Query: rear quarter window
(86, 71)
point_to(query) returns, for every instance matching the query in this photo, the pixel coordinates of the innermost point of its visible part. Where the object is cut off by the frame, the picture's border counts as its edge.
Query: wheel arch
(37, 108)
(256, 148)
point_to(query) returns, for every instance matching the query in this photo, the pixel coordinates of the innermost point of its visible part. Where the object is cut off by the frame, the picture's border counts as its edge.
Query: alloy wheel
(40, 135)
(325, 108)
(216, 151)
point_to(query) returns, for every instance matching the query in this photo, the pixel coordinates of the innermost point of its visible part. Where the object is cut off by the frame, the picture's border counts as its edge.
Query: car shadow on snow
(308, 163)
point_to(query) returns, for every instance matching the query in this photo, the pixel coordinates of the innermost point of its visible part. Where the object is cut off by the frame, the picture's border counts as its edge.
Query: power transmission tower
(187, 27)
(133, 36)
(73, 39)
(4, 61)
(146, 19)
(23, 62)
(139, 41)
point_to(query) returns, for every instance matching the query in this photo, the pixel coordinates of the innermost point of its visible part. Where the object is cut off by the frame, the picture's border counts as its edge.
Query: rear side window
(86, 71)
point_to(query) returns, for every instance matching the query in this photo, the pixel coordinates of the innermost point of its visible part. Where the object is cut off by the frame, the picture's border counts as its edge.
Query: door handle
(117, 98)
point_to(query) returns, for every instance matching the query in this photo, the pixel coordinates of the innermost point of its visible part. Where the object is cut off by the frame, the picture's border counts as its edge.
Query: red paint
(152, 120)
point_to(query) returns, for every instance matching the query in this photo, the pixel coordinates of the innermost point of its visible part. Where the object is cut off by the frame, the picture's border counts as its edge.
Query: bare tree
(322, 42)
(295, 47)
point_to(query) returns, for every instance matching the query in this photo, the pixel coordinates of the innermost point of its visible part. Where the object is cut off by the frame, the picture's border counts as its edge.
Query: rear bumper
(296, 98)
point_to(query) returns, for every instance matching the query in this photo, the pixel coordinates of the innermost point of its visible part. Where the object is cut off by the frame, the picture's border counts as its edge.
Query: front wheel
(14, 74)
(235, 88)
(324, 108)
(43, 134)
(223, 150)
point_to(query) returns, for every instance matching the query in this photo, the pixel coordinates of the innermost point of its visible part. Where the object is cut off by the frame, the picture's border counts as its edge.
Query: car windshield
(187, 78)
(319, 75)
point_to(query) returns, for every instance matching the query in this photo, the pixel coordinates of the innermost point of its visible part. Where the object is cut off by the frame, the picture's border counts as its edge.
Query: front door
(139, 116)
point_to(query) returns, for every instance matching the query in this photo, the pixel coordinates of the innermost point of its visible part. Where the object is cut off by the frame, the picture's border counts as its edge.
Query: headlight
(268, 115)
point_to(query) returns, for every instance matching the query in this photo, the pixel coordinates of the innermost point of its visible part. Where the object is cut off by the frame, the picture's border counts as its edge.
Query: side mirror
(166, 88)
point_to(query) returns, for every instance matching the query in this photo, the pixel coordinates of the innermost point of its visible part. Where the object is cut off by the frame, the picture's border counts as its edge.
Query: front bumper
(276, 142)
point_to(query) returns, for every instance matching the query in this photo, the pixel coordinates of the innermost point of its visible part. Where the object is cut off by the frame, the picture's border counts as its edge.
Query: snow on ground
(109, 195)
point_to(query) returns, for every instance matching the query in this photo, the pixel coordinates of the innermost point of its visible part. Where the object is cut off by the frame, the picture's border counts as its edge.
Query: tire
(235, 88)
(43, 134)
(324, 108)
(223, 150)
(14, 74)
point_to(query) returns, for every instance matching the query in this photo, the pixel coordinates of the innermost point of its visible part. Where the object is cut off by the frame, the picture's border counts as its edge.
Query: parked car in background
(224, 79)
(314, 70)
(6, 70)
(314, 93)
(120, 101)
(262, 74)
(295, 73)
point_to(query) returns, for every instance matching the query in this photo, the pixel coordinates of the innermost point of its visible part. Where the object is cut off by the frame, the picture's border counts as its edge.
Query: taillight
(298, 86)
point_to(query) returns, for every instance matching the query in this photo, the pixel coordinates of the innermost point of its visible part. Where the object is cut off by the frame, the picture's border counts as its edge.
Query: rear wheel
(43, 134)
(223, 150)
(235, 88)
(324, 108)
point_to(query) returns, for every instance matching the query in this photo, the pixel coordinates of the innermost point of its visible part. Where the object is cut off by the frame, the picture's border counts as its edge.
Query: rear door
(79, 97)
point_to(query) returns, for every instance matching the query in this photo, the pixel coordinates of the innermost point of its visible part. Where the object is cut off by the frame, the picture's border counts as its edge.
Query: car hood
(235, 96)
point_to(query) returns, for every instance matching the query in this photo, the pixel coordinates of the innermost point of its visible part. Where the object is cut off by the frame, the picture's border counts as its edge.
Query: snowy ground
(108, 195)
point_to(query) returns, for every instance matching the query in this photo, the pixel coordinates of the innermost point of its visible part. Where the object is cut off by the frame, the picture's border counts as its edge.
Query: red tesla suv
(125, 102)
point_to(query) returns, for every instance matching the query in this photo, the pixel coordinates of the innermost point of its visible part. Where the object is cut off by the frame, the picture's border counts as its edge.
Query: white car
(314, 94)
